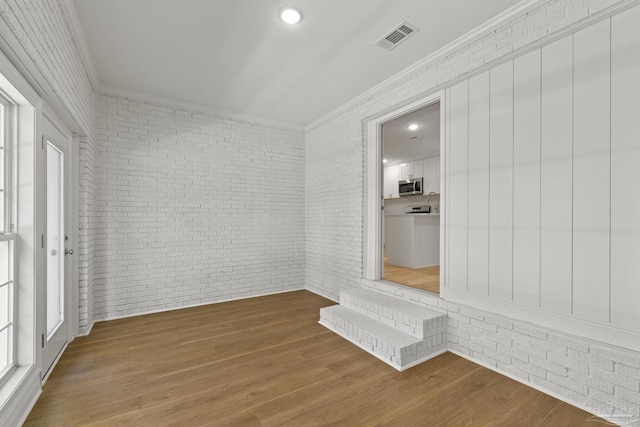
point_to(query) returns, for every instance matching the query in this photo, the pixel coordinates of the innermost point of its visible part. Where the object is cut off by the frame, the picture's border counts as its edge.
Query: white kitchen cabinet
(413, 240)
(390, 181)
(431, 169)
(412, 170)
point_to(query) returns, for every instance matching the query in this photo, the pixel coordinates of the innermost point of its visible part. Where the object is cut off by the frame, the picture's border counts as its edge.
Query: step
(413, 319)
(398, 349)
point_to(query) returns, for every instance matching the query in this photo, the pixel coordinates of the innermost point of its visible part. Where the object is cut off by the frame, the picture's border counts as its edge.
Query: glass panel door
(54, 324)
(55, 239)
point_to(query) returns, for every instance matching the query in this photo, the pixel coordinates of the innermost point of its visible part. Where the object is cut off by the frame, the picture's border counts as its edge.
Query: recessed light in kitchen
(413, 126)
(290, 15)
(384, 160)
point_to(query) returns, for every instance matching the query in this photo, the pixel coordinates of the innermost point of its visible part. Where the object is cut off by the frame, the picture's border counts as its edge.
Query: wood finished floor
(267, 362)
(427, 278)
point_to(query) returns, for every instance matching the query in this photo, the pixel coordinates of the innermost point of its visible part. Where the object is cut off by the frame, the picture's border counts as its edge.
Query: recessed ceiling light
(412, 126)
(384, 160)
(290, 15)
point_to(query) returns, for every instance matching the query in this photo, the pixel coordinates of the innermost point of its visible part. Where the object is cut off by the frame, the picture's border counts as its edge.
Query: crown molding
(193, 108)
(77, 34)
(475, 34)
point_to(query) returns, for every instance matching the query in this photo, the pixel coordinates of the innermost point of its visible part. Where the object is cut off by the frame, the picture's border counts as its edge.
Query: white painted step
(399, 349)
(409, 318)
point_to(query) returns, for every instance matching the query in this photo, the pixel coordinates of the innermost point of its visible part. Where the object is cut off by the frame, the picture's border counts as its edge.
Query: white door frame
(373, 186)
(71, 264)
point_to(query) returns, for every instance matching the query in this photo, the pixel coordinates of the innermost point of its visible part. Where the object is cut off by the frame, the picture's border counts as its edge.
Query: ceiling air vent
(398, 35)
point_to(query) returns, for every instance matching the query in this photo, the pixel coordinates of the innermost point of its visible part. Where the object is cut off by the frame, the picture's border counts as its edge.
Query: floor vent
(398, 35)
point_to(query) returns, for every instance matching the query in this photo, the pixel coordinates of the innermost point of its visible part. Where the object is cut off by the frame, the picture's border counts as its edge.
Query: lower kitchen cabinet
(413, 240)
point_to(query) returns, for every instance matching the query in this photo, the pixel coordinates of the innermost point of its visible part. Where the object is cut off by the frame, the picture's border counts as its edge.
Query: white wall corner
(148, 98)
(77, 34)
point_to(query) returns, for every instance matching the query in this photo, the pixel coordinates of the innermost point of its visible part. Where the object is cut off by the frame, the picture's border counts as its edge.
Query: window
(7, 242)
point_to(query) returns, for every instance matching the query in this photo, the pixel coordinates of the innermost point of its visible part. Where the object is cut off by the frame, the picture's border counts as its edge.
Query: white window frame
(7, 233)
(20, 387)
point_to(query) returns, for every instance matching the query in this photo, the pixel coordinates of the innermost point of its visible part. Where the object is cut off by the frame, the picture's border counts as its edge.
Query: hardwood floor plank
(267, 362)
(427, 278)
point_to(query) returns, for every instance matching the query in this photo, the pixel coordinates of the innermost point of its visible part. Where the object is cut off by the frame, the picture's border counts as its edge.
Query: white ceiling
(236, 56)
(400, 144)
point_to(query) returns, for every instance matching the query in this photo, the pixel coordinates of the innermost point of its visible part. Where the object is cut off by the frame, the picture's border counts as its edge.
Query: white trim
(25, 383)
(373, 180)
(77, 35)
(606, 334)
(190, 107)
(74, 315)
(323, 295)
(462, 41)
(87, 332)
(144, 313)
(494, 24)
(55, 362)
(71, 220)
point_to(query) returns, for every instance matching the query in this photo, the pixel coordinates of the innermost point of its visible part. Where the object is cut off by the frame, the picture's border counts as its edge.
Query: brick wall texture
(588, 374)
(42, 31)
(180, 208)
(193, 208)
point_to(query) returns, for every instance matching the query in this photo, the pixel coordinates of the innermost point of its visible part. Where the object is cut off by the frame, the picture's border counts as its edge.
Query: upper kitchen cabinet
(391, 178)
(431, 169)
(412, 170)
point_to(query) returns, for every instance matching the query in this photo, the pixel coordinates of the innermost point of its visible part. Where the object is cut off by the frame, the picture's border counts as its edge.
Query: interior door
(55, 333)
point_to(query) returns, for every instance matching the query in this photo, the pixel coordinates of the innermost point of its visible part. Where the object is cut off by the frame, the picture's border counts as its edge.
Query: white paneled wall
(591, 153)
(625, 168)
(556, 180)
(458, 181)
(501, 181)
(478, 233)
(537, 343)
(526, 179)
(563, 183)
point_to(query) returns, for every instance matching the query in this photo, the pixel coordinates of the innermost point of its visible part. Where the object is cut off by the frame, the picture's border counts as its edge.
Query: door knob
(68, 251)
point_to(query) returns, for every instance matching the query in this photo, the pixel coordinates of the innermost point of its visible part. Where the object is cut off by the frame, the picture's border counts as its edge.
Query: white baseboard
(163, 310)
(87, 331)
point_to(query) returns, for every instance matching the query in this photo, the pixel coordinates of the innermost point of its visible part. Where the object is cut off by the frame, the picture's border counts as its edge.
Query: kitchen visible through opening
(411, 199)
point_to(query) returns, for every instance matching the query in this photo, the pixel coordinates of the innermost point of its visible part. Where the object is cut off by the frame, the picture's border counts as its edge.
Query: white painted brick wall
(193, 208)
(564, 365)
(42, 31)
(573, 368)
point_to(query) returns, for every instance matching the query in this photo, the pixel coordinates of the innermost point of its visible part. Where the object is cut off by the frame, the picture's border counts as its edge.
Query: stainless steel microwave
(410, 187)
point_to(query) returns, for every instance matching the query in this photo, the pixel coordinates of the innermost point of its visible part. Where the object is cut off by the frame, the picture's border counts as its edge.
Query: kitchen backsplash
(400, 205)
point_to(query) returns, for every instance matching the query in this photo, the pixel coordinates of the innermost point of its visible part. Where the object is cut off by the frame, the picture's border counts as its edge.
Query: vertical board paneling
(458, 184)
(479, 184)
(526, 179)
(556, 176)
(625, 169)
(501, 182)
(591, 172)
